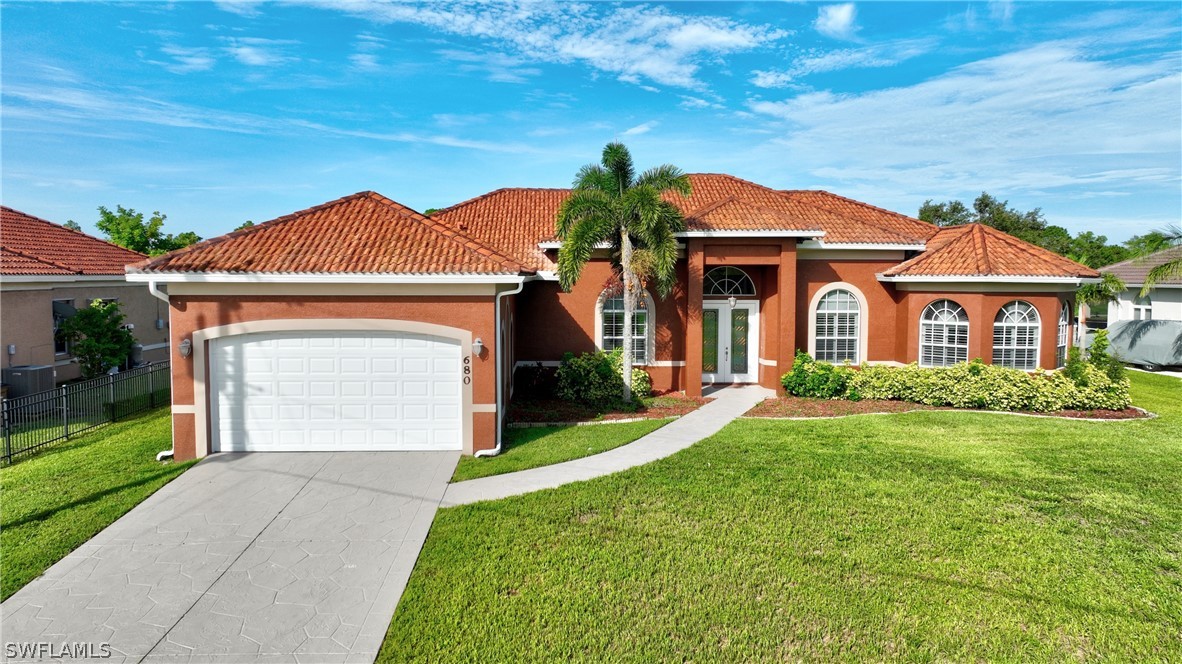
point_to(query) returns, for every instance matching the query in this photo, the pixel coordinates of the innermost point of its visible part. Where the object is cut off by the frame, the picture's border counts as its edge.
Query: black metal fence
(36, 420)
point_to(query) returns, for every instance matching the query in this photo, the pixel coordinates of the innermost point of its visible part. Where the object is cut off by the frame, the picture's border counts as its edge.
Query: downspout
(154, 289)
(499, 370)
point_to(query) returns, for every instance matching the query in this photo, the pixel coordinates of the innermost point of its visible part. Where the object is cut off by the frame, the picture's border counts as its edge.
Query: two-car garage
(332, 390)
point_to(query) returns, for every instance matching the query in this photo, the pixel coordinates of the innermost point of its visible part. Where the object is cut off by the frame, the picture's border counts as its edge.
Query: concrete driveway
(276, 557)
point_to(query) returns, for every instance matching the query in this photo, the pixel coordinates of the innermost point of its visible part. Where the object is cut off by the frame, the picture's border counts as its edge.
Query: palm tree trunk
(629, 309)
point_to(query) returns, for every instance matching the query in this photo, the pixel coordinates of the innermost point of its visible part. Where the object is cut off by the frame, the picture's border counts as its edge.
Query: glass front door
(730, 341)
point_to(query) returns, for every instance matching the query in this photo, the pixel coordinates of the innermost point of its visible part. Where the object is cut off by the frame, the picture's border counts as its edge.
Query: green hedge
(1083, 386)
(597, 379)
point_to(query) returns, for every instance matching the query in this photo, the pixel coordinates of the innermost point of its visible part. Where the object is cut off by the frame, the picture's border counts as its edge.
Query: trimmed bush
(1082, 385)
(597, 379)
(817, 380)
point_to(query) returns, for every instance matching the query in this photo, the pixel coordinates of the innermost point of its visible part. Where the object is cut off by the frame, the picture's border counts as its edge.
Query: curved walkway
(728, 404)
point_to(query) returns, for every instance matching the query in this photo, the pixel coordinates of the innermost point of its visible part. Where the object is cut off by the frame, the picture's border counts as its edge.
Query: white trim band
(986, 279)
(333, 278)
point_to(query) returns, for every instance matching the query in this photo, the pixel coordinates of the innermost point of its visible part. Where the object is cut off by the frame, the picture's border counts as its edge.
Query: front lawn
(543, 446)
(55, 501)
(923, 536)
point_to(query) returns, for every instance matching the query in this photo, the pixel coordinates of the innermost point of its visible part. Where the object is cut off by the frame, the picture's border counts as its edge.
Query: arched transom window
(1015, 336)
(1064, 335)
(837, 327)
(728, 281)
(943, 334)
(611, 325)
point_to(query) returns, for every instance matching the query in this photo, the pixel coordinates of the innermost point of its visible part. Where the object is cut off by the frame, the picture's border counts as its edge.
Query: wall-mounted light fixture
(12, 349)
(186, 348)
(159, 323)
(732, 301)
(478, 347)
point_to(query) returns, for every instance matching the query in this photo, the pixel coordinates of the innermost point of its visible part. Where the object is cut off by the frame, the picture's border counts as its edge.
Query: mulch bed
(672, 404)
(802, 407)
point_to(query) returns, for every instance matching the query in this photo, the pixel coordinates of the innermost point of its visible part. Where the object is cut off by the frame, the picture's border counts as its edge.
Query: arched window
(837, 327)
(1064, 335)
(728, 281)
(1142, 308)
(943, 334)
(610, 326)
(1015, 336)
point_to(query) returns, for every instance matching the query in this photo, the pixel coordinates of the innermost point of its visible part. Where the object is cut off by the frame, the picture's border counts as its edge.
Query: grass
(543, 446)
(57, 500)
(925, 536)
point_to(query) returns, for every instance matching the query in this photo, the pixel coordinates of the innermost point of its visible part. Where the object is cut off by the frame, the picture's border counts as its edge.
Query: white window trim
(968, 332)
(1037, 336)
(863, 318)
(1142, 306)
(754, 291)
(651, 307)
(1063, 333)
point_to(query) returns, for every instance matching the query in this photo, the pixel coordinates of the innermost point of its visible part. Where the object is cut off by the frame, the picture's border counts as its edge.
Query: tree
(244, 225)
(98, 338)
(72, 225)
(127, 228)
(610, 204)
(1168, 270)
(1151, 243)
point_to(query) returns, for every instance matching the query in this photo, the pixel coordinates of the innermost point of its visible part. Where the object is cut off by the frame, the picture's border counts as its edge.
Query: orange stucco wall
(473, 313)
(812, 275)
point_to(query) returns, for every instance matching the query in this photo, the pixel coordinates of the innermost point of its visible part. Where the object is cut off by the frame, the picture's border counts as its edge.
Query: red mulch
(670, 404)
(788, 406)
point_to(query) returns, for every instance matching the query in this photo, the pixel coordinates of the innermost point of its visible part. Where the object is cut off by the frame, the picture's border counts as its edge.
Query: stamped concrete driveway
(272, 557)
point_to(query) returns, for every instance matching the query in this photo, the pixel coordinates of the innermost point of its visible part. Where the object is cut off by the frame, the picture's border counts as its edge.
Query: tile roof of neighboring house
(516, 220)
(365, 233)
(33, 246)
(979, 250)
(1133, 271)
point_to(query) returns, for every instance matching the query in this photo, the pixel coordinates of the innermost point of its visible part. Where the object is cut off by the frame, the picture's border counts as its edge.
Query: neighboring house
(1163, 302)
(47, 272)
(362, 324)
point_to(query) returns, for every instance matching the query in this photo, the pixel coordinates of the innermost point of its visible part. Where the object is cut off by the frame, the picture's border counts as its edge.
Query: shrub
(1101, 357)
(819, 380)
(596, 379)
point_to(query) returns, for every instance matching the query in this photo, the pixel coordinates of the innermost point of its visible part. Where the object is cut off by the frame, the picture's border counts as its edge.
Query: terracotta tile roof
(974, 250)
(31, 246)
(516, 220)
(365, 233)
(1133, 271)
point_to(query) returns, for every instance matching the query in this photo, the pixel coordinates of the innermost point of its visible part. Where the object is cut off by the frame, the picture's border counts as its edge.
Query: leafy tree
(72, 225)
(244, 225)
(127, 228)
(98, 338)
(430, 211)
(1151, 242)
(611, 204)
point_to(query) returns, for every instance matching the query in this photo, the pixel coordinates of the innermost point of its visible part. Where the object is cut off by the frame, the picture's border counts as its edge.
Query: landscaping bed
(804, 407)
(671, 404)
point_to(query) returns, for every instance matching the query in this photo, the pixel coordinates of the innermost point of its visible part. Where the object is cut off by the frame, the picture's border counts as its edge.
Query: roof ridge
(490, 194)
(455, 235)
(986, 266)
(1029, 248)
(707, 209)
(243, 232)
(39, 259)
(875, 224)
(88, 236)
(1138, 261)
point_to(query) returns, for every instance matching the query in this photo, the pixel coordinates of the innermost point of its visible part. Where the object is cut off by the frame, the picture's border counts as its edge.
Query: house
(1163, 302)
(47, 272)
(362, 324)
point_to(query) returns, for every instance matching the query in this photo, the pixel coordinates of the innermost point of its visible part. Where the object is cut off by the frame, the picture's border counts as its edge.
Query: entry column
(696, 265)
(787, 297)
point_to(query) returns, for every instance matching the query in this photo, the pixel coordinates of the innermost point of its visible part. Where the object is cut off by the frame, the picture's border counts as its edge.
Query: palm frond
(666, 178)
(578, 245)
(581, 204)
(618, 161)
(1164, 272)
(590, 176)
(1109, 288)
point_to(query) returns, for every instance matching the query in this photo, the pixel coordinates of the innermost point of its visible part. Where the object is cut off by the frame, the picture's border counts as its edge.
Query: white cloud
(364, 61)
(247, 8)
(185, 59)
(496, 67)
(837, 21)
(632, 43)
(640, 128)
(693, 103)
(257, 51)
(887, 54)
(1045, 117)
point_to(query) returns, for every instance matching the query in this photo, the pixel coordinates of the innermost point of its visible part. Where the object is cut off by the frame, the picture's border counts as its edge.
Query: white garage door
(329, 391)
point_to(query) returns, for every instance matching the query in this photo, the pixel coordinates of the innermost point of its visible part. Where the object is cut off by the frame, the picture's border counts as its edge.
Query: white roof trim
(751, 233)
(1141, 285)
(547, 275)
(62, 278)
(313, 278)
(869, 246)
(987, 279)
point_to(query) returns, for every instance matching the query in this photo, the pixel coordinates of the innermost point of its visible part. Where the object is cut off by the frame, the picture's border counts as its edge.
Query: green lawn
(53, 502)
(543, 446)
(926, 536)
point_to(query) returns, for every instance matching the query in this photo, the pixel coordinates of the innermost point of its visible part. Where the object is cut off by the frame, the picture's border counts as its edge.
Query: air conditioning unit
(28, 379)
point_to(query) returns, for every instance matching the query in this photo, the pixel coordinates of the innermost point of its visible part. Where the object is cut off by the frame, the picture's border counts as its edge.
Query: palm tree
(611, 205)
(1169, 269)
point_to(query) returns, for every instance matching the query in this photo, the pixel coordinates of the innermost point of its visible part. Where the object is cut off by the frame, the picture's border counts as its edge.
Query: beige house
(47, 272)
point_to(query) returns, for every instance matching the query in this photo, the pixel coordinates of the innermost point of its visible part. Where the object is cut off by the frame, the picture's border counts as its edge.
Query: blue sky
(215, 113)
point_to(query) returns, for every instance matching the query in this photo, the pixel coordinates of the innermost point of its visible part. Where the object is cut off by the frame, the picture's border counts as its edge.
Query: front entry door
(730, 342)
